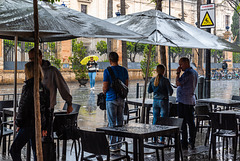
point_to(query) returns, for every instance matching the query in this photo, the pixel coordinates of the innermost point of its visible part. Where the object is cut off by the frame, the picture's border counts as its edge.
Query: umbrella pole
(143, 111)
(38, 136)
(15, 88)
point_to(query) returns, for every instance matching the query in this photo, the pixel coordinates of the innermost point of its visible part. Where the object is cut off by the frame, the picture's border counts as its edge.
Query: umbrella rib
(164, 37)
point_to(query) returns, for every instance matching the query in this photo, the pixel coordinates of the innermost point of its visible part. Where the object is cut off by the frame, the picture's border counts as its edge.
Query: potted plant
(80, 71)
(152, 63)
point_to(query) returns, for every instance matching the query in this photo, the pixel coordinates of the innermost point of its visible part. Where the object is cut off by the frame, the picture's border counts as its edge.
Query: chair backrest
(94, 142)
(202, 109)
(223, 121)
(65, 125)
(76, 107)
(6, 104)
(168, 121)
(235, 97)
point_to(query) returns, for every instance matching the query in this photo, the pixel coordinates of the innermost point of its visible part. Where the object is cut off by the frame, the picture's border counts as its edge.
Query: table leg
(135, 150)
(141, 150)
(177, 140)
(4, 138)
(64, 150)
(147, 115)
(214, 145)
(28, 151)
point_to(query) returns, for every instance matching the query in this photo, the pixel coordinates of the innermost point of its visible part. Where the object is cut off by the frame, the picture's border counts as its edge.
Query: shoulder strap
(111, 73)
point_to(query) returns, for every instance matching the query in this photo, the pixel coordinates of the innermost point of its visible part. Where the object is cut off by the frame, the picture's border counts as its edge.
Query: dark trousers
(50, 125)
(187, 113)
(24, 135)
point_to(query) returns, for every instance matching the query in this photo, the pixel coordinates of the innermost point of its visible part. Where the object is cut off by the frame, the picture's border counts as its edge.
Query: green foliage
(133, 49)
(53, 60)
(102, 47)
(236, 57)
(79, 52)
(235, 25)
(152, 63)
(176, 51)
(218, 54)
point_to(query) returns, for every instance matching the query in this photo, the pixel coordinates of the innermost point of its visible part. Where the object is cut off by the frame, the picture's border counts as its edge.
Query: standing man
(53, 80)
(114, 104)
(186, 85)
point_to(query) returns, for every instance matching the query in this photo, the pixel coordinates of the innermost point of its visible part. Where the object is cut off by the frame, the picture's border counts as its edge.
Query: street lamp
(118, 13)
(227, 28)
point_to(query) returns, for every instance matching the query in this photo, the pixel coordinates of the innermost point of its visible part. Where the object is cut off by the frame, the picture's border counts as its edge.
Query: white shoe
(93, 88)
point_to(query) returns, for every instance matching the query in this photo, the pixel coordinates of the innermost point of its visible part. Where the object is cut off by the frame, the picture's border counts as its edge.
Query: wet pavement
(91, 117)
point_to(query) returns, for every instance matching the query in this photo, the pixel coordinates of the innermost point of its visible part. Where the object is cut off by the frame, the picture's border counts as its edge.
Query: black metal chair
(96, 143)
(5, 104)
(159, 146)
(225, 126)
(6, 131)
(203, 119)
(65, 128)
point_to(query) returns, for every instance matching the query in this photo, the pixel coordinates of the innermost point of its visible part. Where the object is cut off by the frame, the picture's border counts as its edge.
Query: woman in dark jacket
(25, 119)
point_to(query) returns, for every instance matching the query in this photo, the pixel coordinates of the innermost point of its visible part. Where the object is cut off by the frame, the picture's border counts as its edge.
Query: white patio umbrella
(159, 28)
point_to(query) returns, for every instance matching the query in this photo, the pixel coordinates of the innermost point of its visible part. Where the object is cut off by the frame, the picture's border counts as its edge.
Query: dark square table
(138, 132)
(213, 102)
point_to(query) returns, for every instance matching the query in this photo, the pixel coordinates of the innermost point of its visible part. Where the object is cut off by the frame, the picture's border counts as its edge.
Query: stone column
(117, 47)
(1, 55)
(65, 52)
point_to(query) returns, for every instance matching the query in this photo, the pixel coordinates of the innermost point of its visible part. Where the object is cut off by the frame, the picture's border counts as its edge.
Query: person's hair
(185, 60)
(29, 70)
(113, 56)
(160, 71)
(32, 51)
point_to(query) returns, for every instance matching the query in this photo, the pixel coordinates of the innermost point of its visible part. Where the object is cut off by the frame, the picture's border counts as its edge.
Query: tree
(217, 54)
(236, 57)
(177, 52)
(102, 47)
(235, 25)
(133, 49)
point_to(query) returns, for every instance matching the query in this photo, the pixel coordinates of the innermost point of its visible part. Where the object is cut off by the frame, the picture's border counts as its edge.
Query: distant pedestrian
(162, 89)
(114, 103)
(186, 85)
(92, 67)
(224, 66)
(25, 119)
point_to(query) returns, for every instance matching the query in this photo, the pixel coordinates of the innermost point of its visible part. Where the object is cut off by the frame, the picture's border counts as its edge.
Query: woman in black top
(25, 119)
(92, 71)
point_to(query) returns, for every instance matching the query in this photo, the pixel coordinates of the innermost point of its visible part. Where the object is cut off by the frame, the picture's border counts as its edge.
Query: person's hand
(90, 66)
(179, 69)
(18, 128)
(44, 133)
(69, 109)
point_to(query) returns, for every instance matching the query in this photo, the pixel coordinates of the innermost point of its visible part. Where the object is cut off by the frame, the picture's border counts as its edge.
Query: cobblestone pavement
(91, 117)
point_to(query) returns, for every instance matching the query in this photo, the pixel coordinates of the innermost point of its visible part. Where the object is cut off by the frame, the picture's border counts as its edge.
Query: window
(84, 8)
(227, 20)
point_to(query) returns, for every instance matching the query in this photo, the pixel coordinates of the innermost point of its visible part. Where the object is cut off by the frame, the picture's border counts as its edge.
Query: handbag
(118, 86)
(101, 101)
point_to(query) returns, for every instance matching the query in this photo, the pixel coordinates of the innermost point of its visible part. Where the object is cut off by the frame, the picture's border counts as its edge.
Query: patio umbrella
(162, 29)
(85, 60)
(159, 28)
(56, 23)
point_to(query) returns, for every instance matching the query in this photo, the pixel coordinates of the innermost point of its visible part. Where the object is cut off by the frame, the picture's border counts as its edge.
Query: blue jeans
(92, 76)
(187, 113)
(115, 116)
(160, 108)
(24, 135)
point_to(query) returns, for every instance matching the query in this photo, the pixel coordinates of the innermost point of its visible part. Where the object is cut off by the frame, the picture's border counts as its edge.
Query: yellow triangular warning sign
(207, 21)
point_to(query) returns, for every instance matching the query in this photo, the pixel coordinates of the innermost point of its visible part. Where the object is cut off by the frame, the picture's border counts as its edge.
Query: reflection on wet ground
(91, 117)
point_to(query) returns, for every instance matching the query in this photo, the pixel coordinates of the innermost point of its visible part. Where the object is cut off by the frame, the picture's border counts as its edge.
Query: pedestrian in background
(92, 67)
(25, 119)
(114, 103)
(54, 81)
(162, 89)
(186, 85)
